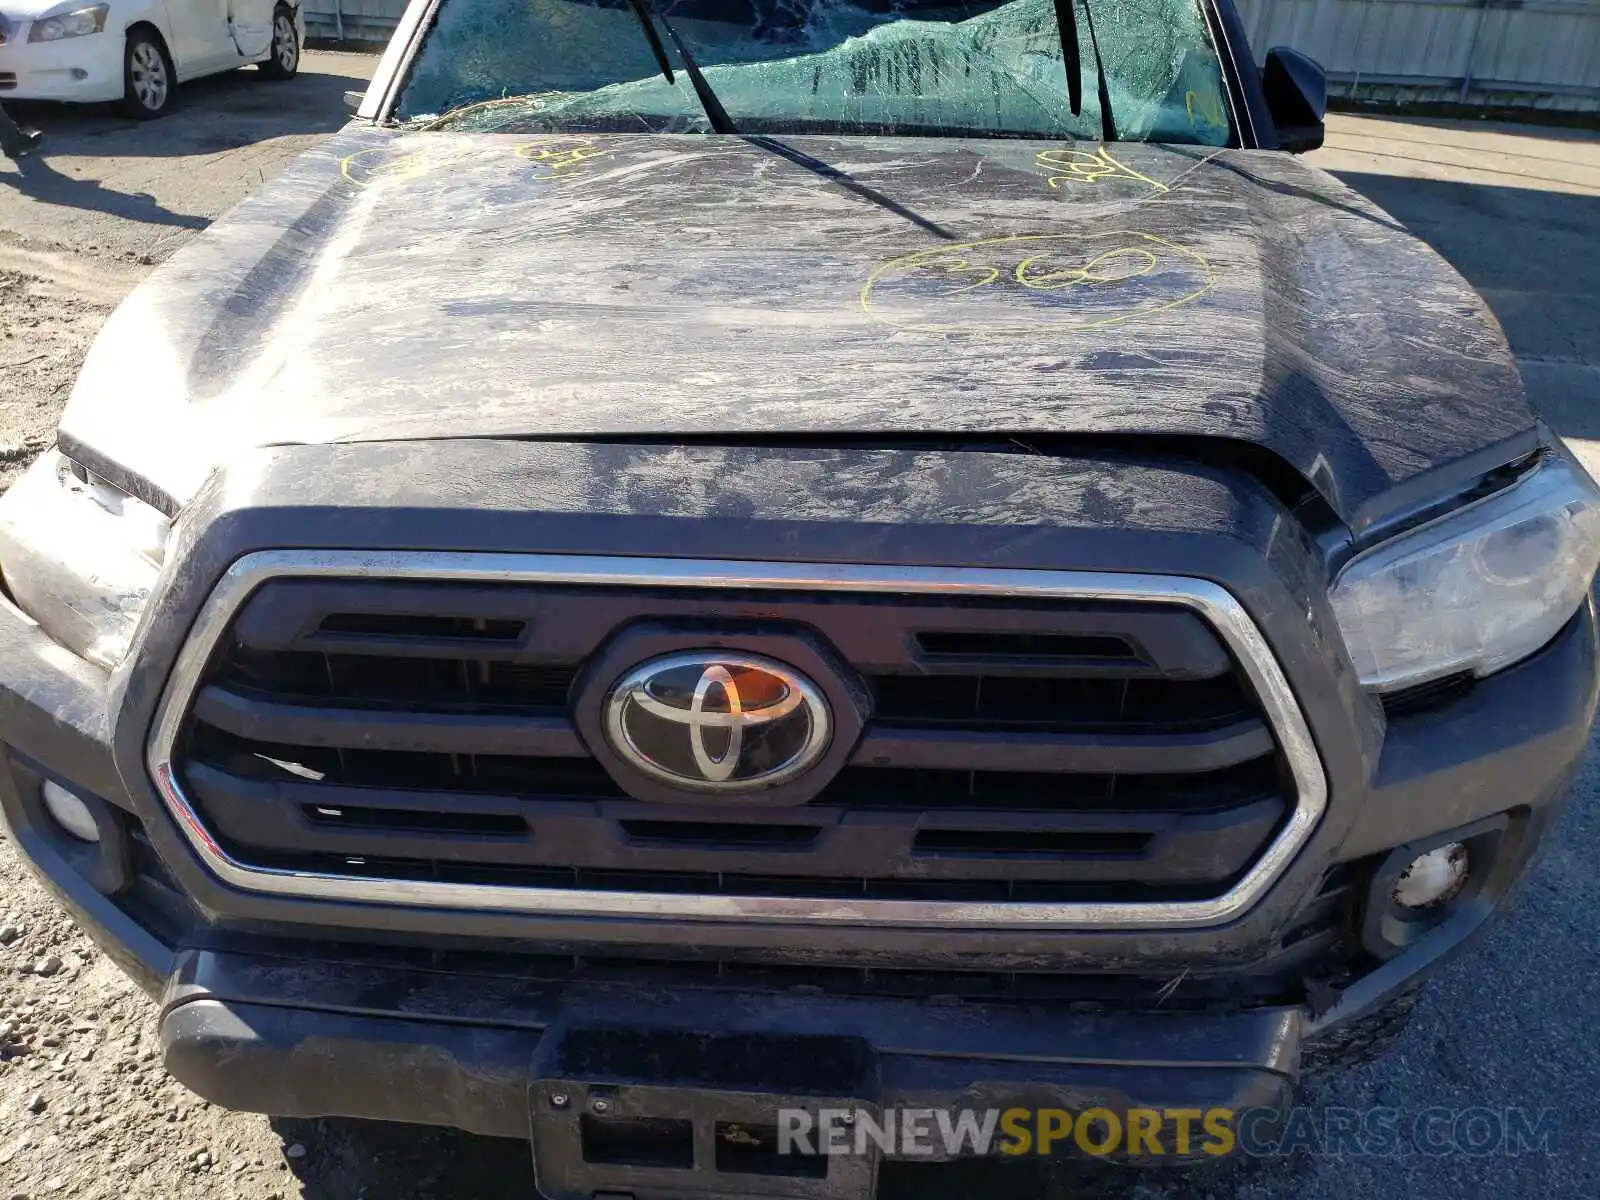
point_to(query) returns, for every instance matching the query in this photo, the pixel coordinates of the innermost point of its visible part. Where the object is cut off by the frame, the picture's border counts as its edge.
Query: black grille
(994, 701)
(1425, 697)
(1014, 751)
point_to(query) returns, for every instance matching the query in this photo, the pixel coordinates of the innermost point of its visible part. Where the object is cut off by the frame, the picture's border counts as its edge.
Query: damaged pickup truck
(707, 560)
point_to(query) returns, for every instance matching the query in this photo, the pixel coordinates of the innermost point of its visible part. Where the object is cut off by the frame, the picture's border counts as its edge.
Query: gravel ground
(46, 328)
(85, 1108)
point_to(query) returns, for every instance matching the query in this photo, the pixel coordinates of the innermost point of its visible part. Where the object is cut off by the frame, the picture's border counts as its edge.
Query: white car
(135, 51)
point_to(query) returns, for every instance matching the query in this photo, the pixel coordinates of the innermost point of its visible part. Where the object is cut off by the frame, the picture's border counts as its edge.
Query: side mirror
(352, 100)
(1297, 97)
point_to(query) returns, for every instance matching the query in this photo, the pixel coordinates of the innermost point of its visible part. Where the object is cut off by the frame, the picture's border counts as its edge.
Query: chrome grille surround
(1215, 604)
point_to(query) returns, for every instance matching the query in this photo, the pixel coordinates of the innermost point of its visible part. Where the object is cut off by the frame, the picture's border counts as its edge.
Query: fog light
(1433, 878)
(71, 813)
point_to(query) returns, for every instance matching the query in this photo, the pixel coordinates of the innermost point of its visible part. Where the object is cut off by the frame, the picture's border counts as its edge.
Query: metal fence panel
(1530, 53)
(353, 20)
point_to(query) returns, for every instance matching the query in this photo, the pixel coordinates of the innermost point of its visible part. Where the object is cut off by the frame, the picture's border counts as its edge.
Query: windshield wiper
(654, 38)
(1067, 26)
(715, 113)
(1071, 55)
(1108, 123)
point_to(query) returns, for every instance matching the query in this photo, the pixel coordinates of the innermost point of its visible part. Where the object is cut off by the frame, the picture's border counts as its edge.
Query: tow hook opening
(746, 1149)
(638, 1141)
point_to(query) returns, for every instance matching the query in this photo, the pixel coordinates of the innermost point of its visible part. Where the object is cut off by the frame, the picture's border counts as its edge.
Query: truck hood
(433, 285)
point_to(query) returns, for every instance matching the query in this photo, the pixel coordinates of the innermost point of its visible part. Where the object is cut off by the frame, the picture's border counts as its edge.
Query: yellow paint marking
(958, 266)
(364, 166)
(560, 160)
(1084, 166)
(1132, 255)
(1052, 281)
(565, 158)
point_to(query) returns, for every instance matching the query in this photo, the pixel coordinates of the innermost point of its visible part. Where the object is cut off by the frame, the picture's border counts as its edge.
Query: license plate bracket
(675, 1114)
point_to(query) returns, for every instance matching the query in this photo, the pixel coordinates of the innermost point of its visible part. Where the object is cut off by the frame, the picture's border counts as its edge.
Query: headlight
(79, 557)
(1475, 590)
(70, 24)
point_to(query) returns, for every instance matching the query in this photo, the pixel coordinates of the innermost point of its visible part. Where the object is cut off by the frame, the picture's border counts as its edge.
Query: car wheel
(147, 76)
(284, 60)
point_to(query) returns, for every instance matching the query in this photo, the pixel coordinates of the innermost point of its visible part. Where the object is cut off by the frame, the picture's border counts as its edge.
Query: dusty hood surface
(435, 285)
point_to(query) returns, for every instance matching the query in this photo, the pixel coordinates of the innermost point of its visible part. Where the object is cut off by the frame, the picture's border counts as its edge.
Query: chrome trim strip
(1214, 603)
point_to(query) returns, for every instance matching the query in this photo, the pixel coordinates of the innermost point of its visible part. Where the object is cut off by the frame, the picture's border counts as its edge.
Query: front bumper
(313, 1037)
(84, 70)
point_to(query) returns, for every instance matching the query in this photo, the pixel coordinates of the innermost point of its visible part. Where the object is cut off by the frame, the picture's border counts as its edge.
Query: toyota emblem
(713, 722)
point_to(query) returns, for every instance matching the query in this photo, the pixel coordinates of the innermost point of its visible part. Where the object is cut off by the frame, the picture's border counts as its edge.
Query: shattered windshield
(903, 67)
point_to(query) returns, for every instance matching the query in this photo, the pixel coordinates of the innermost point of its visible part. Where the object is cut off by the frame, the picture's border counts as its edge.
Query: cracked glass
(901, 67)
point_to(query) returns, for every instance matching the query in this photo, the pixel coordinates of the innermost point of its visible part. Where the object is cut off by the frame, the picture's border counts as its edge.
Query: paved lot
(1517, 210)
